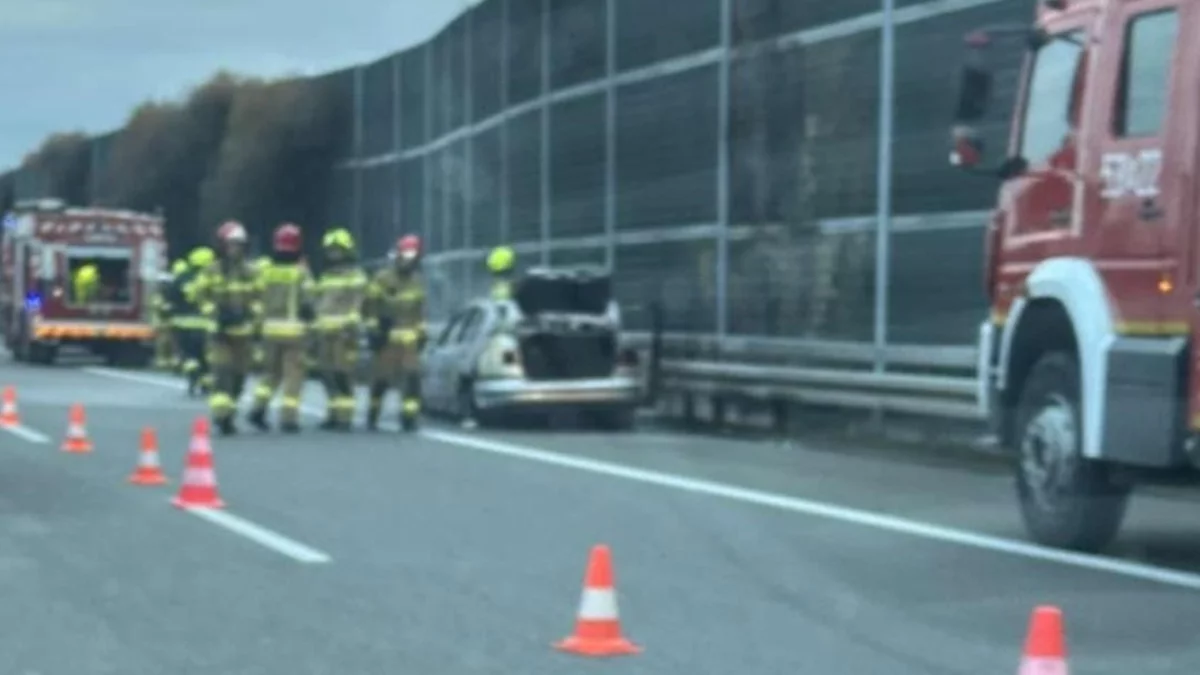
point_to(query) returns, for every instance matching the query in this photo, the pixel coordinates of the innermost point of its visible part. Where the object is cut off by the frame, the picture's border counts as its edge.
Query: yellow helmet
(201, 257)
(338, 238)
(501, 259)
(179, 267)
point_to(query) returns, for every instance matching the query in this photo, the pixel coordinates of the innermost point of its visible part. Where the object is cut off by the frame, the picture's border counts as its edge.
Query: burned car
(555, 346)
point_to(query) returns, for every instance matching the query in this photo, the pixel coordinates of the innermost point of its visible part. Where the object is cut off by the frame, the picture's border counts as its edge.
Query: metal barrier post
(883, 251)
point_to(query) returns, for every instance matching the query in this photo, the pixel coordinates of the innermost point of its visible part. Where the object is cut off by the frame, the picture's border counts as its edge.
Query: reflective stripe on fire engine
(58, 330)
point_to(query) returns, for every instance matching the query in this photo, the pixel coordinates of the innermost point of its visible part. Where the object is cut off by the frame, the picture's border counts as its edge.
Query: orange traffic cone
(77, 438)
(597, 625)
(199, 488)
(8, 408)
(1045, 647)
(148, 471)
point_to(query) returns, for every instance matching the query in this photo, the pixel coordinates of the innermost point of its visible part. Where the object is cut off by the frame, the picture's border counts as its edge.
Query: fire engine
(1088, 369)
(44, 305)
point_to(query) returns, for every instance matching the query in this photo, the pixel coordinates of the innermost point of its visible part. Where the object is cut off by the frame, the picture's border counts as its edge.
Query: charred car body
(554, 346)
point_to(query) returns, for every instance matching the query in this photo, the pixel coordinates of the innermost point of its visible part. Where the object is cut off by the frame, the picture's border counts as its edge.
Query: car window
(1047, 120)
(469, 325)
(1146, 74)
(454, 323)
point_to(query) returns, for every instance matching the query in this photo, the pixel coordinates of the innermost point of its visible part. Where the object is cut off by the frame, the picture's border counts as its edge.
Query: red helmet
(287, 238)
(408, 247)
(232, 230)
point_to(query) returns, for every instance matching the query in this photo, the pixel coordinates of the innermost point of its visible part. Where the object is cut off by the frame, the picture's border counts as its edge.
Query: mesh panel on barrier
(413, 98)
(487, 52)
(524, 24)
(577, 169)
(410, 181)
(487, 188)
(524, 177)
(577, 41)
(679, 274)
(650, 32)
(378, 103)
(667, 150)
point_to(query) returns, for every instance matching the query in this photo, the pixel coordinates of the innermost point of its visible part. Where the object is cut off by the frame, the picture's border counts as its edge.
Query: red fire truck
(44, 305)
(1088, 367)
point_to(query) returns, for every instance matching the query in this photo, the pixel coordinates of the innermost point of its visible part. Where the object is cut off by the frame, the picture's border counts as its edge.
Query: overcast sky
(84, 64)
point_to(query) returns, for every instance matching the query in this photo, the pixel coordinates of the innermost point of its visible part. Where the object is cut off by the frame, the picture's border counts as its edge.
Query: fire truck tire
(1067, 501)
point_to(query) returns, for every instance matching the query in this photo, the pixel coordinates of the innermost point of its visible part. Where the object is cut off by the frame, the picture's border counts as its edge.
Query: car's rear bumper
(600, 392)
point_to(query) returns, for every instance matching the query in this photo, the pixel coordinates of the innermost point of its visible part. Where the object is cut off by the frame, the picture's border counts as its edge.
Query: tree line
(259, 151)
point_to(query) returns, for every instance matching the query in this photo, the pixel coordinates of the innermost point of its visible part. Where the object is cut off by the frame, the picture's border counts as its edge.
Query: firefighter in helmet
(86, 283)
(286, 312)
(160, 307)
(338, 296)
(189, 323)
(259, 355)
(231, 297)
(395, 320)
(501, 262)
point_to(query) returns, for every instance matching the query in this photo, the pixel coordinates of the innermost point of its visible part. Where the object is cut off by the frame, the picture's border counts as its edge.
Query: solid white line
(843, 514)
(261, 535)
(829, 511)
(31, 435)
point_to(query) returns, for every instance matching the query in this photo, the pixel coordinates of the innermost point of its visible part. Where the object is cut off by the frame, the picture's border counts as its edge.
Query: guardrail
(923, 380)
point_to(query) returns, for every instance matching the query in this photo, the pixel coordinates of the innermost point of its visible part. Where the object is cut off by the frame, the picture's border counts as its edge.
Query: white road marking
(807, 507)
(27, 433)
(261, 535)
(236, 524)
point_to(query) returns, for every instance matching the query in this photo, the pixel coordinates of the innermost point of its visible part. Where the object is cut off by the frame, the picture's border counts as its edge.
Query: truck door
(1135, 206)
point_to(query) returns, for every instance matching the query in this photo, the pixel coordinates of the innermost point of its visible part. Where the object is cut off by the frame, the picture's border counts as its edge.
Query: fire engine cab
(1089, 367)
(79, 277)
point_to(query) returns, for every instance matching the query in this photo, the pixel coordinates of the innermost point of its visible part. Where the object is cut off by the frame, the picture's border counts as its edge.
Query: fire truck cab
(79, 277)
(1088, 364)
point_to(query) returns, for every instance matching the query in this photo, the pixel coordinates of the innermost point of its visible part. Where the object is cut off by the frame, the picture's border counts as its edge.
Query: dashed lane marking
(26, 433)
(236, 524)
(834, 512)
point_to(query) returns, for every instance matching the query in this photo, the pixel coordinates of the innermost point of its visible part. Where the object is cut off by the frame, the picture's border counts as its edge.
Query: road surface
(455, 552)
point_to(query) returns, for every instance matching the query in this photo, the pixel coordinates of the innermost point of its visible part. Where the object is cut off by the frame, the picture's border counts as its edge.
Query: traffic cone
(77, 440)
(1045, 647)
(199, 488)
(8, 408)
(148, 471)
(597, 625)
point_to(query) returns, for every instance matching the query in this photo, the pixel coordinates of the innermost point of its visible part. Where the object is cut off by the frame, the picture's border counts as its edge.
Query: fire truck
(43, 304)
(1088, 366)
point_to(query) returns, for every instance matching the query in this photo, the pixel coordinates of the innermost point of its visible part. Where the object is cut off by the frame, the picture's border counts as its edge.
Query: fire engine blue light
(10, 222)
(33, 302)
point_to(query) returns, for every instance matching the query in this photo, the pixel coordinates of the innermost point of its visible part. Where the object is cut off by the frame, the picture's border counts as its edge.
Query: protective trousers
(193, 351)
(164, 347)
(230, 360)
(337, 353)
(284, 372)
(398, 366)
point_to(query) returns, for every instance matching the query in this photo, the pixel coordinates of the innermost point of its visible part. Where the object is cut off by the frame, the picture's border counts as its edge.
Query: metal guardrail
(923, 380)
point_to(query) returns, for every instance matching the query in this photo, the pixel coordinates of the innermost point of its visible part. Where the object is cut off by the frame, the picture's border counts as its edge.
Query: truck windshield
(99, 276)
(1048, 117)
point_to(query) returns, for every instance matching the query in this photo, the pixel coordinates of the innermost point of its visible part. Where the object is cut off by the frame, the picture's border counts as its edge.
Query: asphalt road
(455, 552)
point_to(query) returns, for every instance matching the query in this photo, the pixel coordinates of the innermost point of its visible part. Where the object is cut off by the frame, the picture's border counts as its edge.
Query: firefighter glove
(228, 317)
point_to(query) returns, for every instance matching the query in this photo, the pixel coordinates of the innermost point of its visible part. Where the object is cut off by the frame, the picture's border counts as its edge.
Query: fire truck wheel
(1067, 501)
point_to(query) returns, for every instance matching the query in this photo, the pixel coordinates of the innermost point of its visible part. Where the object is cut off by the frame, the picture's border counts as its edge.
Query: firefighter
(160, 310)
(286, 311)
(337, 299)
(85, 283)
(501, 263)
(190, 325)
(259, 355)
(395, 321)
(230, 297)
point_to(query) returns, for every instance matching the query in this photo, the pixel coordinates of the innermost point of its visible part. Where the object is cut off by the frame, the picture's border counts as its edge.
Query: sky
(85, 64)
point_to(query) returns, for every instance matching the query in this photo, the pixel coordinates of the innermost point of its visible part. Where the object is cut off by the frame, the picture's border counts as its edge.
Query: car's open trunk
(567, 330)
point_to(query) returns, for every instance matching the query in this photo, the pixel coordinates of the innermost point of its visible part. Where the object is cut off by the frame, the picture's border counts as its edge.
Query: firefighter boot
(225, 426)
(375, 405)
(409, 414)
(290, 427)
(258, 418)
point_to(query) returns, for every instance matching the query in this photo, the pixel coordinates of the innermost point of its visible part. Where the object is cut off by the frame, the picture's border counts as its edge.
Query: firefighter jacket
(185, 311)
(395, 306)
(230, 297)
(285, 290)
(160, 306)
(338, 297)
(502, 288)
